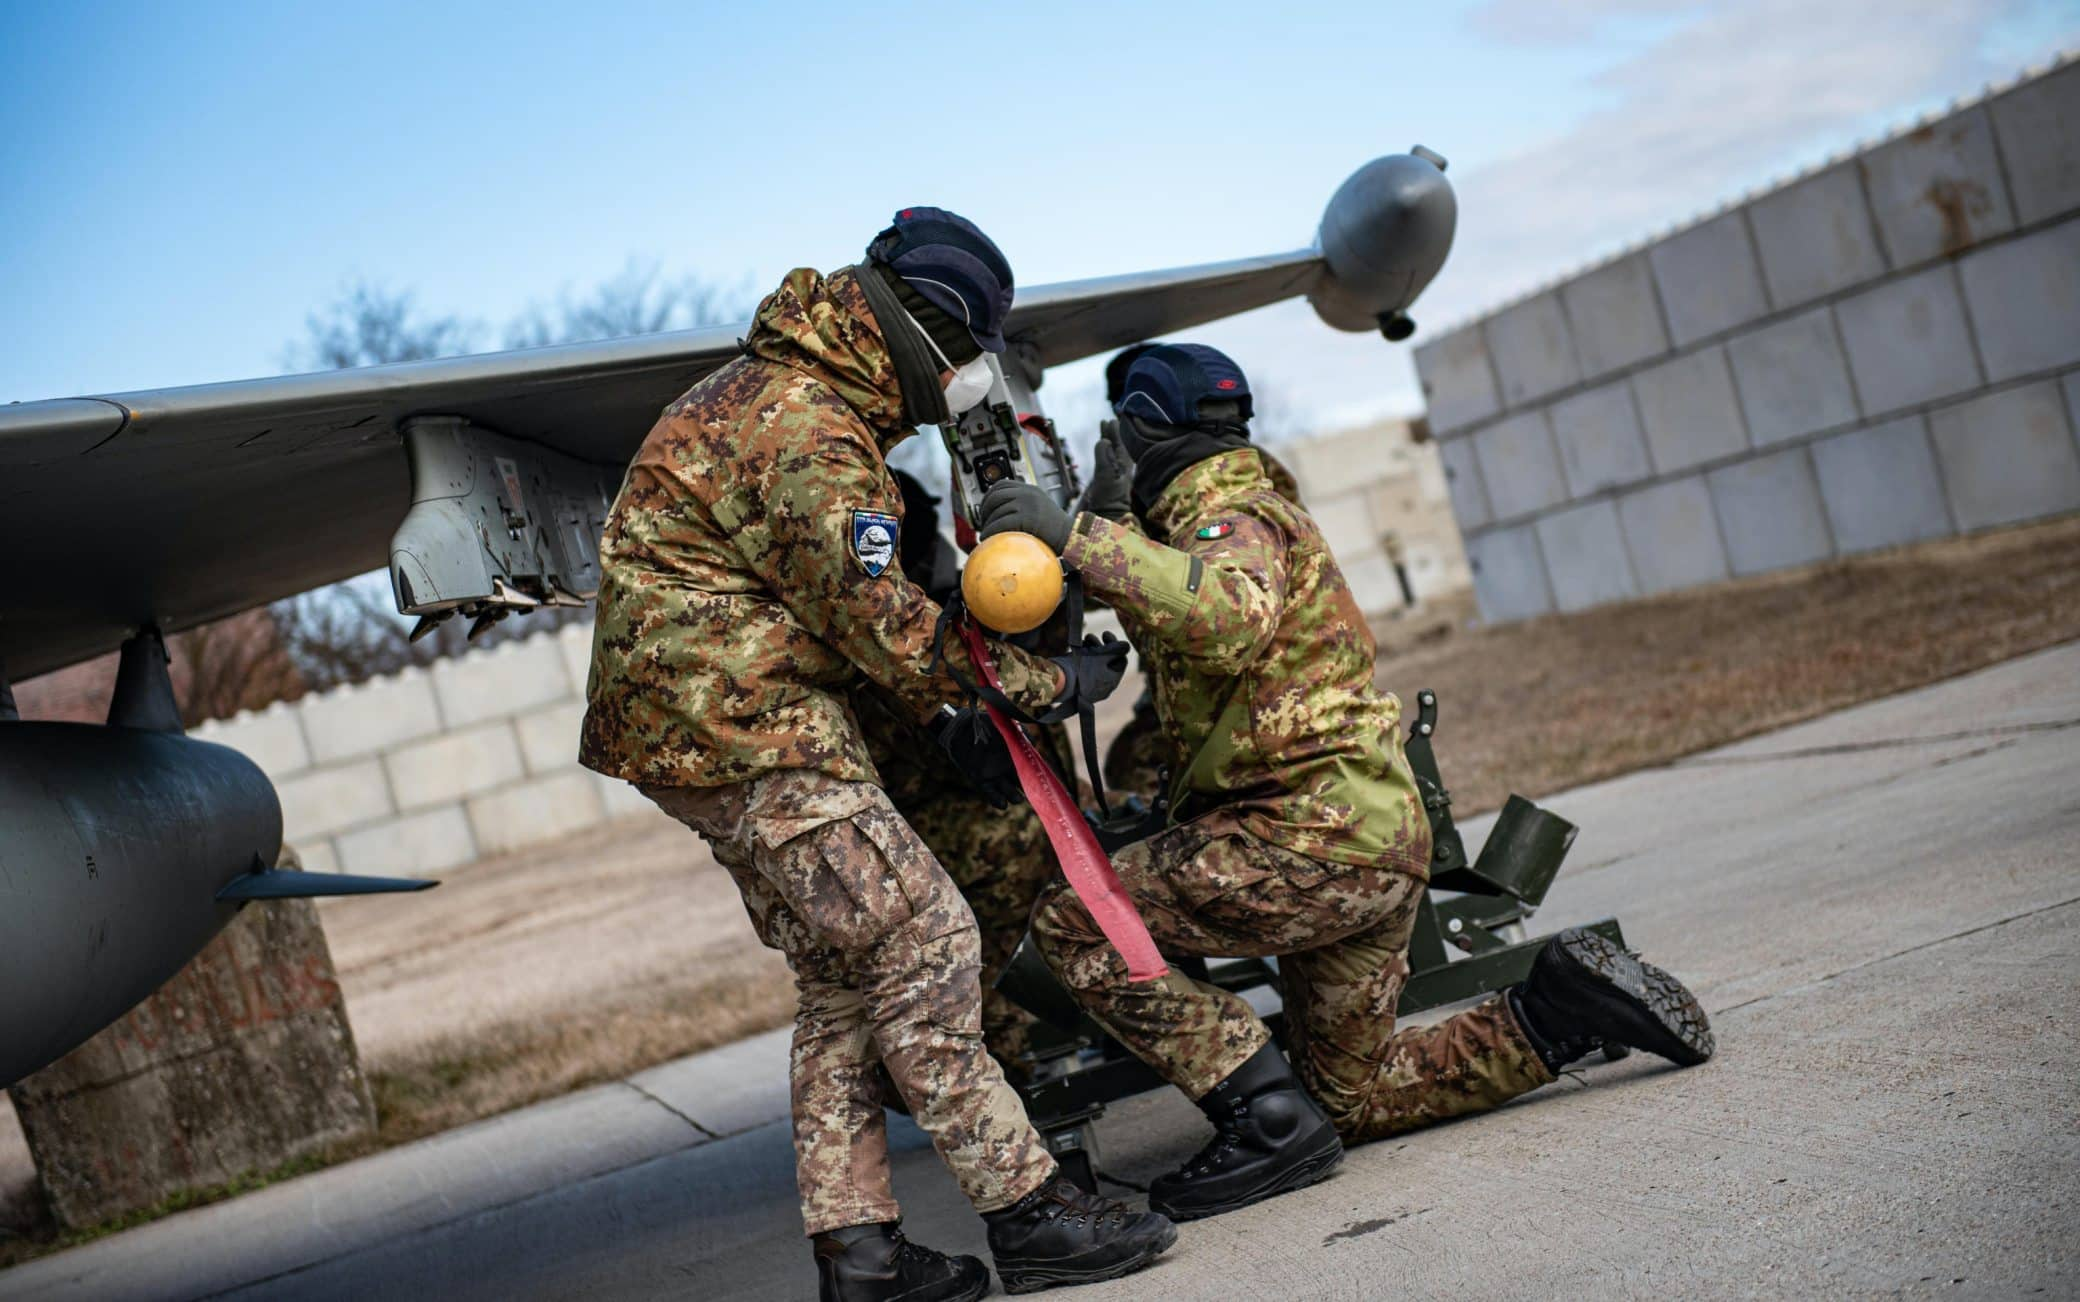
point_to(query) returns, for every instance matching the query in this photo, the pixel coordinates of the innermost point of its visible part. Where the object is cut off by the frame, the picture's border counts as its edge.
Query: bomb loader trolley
(1469, 941)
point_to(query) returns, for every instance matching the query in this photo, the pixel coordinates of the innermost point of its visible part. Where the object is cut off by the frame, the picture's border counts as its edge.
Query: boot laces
(1064, 1200)
(1227, 1137)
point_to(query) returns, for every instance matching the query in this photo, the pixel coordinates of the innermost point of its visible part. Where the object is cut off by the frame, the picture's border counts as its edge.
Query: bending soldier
(996, 852)
(1295, 828)
(748, 579)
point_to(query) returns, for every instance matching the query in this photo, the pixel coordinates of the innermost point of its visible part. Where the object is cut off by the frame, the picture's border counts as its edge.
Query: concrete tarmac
(1881, 909)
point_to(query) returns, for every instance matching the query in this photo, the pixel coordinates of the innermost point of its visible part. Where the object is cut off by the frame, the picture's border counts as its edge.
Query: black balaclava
(1163, 452)
(917, 366)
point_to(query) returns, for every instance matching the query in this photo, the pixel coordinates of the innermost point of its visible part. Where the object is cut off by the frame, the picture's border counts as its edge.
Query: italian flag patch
(1212, 531)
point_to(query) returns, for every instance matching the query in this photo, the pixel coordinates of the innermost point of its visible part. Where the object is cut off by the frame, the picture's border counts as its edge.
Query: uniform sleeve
(797, 535)
(1218, 602)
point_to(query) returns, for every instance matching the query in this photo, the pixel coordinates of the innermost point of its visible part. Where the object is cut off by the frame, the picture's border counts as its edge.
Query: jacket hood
(821, 325)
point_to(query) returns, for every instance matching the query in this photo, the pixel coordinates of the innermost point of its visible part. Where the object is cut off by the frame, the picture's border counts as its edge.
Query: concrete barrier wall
(1380, 498)
(1883, 350)
(427, 770)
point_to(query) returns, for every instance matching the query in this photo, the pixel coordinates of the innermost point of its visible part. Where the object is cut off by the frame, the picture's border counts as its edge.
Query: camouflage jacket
(748, 566)
(1262, 667)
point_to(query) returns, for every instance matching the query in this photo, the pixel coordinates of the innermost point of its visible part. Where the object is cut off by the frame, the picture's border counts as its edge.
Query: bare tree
(368, 325)
(635, 301)
(240, 663)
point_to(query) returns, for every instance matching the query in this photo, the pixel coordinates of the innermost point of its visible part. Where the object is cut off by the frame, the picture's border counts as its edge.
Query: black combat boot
(1058, 1234)
(1270, 1137)
(1585, 992)
(875, 1263)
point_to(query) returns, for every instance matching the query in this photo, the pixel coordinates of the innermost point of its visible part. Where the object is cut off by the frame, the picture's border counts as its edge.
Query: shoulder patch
(874, 540)
(1212, 531)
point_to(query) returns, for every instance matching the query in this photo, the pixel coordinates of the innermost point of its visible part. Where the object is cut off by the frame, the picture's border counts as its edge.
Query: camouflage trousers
(1340, 933)
(885, 957)
(1000, 859)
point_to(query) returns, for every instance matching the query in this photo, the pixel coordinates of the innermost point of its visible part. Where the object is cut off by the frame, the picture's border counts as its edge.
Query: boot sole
(1687, 1033)
(1057, 1274)
(1313, 1169)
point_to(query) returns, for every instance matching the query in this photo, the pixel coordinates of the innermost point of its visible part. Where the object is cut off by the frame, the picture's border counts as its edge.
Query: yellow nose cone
(1013, 582)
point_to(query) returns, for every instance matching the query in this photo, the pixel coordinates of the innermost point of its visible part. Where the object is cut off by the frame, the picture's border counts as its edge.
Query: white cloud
(1733, 96)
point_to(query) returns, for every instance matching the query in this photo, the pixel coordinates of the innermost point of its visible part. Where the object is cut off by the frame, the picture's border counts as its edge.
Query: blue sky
(181, 185)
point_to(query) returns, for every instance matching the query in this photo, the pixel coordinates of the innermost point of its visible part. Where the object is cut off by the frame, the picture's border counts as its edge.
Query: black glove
(1112, 477)
(1091, 672)
(977, 749)
(1014, 505)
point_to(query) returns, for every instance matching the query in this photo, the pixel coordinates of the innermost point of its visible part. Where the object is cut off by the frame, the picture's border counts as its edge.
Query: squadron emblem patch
(874, 541)
(1221, 530)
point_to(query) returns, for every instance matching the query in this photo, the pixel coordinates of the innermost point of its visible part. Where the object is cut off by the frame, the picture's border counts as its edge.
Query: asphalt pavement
(1881, 910)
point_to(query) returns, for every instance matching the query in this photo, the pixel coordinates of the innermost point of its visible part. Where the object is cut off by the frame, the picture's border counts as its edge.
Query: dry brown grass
(468, 1075)
(1555, 702)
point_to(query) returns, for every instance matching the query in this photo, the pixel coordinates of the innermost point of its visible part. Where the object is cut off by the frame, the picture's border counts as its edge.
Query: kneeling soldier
(1296, 830)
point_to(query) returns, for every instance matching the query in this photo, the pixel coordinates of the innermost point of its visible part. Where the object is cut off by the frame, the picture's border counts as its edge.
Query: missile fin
(290, 884)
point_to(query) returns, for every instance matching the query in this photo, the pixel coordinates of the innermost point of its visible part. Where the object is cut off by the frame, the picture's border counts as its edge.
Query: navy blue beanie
(950, 263)
(1166, 383)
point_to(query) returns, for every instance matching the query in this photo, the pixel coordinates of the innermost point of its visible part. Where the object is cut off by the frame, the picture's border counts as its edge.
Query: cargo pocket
(841, 858)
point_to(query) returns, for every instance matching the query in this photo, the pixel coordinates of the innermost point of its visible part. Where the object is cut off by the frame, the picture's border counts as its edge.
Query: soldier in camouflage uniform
(748, 581)
(997, 854)
(1296, 830)
(1139, 755)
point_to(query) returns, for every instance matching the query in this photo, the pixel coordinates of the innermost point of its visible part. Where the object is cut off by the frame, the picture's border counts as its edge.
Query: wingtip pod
(1383, 238)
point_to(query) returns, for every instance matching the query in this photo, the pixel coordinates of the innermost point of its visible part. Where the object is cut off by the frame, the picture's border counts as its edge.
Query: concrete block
(1599, 441)
(1709, 278)
(316, 856)
(1333, 463)
(272, 738)
(1908, 342)
(1937, 191)
(1815, 237)
(1345, 521)
(1770, 513)
(549, 737)
(1585, 556)
(1519, 466)
(324, 801)
(1881, 487)
(2008, 456)
(240, 1063)
(575, 643)
(1372, 581)
(2025, 301)
(1792, 377)
(442, 770)
(1396, 505)
(415, 845)
(363, 718)
(1672, 535)
(1613, 316)
(621, 800)
(1531, 349)
(508, 679)
(1688, 411)
(1509, 576)
(1458, 380)
(2039, 130)
(538, 810)
(1462, 475)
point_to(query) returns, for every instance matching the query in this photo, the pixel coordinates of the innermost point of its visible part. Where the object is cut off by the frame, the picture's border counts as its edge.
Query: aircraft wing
(179, 506)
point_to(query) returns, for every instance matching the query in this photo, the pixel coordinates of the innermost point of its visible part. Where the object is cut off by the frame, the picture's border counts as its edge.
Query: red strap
(1082, 858)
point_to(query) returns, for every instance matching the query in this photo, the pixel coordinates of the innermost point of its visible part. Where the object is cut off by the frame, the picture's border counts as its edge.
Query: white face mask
(970, 384)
